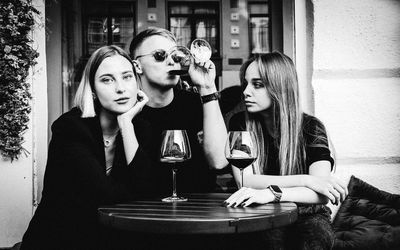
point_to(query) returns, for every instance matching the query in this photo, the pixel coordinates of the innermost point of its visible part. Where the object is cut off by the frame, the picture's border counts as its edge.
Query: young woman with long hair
(94, 156)
(294, 162)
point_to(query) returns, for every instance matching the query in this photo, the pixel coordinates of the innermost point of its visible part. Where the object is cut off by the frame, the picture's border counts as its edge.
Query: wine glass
(175, 149)
(201, 50)
(241, 150)
(182, 56)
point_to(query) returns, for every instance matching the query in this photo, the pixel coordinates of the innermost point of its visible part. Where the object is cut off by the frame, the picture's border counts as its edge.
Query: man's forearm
(215, 135)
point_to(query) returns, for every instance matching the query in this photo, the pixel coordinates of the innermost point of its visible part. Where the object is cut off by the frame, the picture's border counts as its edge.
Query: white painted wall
(230, 78)
(16, 195)
(356, 76)
(303, 54)
(18, 188)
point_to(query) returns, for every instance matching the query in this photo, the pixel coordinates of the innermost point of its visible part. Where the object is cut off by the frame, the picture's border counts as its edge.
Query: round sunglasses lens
(160, 55)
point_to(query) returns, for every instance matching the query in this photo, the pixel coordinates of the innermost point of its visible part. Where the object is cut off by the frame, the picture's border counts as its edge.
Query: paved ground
(385, 176)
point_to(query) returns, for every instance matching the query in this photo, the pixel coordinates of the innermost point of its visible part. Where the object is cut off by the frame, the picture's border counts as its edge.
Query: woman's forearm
(302, 195)
(129, 140)
(263, 181)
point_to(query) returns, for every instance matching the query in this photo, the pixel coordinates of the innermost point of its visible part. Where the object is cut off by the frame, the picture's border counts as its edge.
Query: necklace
(109, 140)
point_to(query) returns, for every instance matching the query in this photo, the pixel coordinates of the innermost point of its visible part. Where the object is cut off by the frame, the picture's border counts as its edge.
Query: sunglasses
(179, 54)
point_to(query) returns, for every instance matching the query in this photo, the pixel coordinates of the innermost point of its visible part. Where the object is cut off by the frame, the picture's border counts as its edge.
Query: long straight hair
(279, 76)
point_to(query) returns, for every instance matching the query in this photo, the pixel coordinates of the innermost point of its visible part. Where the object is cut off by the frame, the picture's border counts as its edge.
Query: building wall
(18, 178)
(304, 52)
(356, 76)
(142, 15)
(230, 73)
(347, 55)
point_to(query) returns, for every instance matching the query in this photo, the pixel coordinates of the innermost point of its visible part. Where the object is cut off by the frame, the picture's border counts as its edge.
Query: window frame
(109, 15)
(268, 15)
(192, 17)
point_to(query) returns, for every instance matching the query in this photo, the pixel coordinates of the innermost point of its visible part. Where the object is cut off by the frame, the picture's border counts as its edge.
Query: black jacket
(75, 184)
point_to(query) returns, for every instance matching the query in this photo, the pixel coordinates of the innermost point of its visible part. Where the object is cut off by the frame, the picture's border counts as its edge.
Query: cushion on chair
(369, 218)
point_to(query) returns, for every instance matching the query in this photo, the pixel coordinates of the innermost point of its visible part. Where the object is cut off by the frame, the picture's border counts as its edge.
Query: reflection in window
(259, 28)
(104, 23)
(207, 30)
(188, 21)
(180, 27)
(97, 33)
(108, 23)
(122, 31)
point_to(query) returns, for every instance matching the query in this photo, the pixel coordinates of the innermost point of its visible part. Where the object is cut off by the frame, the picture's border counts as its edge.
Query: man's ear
(138, 67)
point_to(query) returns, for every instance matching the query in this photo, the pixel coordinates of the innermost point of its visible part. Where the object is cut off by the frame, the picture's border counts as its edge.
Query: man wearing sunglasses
(156, 56)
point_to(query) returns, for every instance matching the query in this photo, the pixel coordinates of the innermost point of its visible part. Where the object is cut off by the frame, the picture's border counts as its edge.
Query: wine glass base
(174, 199)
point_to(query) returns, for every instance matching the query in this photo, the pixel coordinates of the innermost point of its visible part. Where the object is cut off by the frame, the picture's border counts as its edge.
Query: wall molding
(356, 73)
(369, 160)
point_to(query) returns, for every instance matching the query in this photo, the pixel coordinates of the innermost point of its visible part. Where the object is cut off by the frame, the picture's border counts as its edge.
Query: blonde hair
(149, 32)
(85, 98)
(279, 76)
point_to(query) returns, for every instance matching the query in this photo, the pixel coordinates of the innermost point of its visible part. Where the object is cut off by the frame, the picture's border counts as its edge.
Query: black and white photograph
(200, 124)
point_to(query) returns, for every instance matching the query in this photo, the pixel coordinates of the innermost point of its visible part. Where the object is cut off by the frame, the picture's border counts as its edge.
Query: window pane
(259, 34)
(207, 30)
(180, 27)
(180, 9)
(97, 33)
(258, 8)
(204, 10)
(122, 31)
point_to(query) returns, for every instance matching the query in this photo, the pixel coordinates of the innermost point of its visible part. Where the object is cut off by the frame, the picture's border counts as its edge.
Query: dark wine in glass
(175, 149)
(178, 72)
(241, 150)
(182, 57)
(200, 49)
(241, 162)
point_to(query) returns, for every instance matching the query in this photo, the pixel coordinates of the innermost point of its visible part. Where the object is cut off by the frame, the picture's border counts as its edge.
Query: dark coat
(75, 184)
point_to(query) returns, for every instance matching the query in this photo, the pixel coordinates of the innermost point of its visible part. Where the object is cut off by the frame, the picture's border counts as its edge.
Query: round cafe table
(202, 214)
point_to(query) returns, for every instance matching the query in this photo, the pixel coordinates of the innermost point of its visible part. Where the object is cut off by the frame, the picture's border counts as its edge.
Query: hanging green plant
(16, 58)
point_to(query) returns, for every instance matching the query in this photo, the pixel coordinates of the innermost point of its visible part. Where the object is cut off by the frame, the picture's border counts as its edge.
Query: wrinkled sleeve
(317, 143)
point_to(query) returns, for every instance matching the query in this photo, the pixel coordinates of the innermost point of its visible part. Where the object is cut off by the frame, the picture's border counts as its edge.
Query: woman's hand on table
(247, 196)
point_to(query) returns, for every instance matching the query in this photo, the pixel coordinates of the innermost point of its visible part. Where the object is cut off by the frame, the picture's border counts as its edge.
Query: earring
(94, 96)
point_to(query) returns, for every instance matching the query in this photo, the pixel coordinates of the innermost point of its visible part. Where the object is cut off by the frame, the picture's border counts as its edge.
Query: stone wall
(356, 77)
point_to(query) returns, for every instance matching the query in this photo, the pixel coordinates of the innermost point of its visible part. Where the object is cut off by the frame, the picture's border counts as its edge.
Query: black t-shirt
(184, 112)
(316, 149)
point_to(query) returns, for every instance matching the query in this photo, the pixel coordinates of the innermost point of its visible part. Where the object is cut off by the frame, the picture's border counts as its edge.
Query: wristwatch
(276, 191)
(210, 97)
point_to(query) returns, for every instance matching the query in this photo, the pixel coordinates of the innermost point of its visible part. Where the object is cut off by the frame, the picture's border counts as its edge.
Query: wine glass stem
(241, 174)
(174, 182)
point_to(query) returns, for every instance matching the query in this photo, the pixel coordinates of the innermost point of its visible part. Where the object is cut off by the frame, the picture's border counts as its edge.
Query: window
(108, 23)
(259, 22)
(188, 21)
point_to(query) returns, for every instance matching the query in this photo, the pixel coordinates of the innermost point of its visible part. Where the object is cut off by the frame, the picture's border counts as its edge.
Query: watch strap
(277, 192)
(210, 97)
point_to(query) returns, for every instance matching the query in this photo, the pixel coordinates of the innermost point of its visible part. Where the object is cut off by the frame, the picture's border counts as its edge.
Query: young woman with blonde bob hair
(94, 156)
(294, 162)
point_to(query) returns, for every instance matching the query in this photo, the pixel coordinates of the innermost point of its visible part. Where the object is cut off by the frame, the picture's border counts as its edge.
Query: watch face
(276, 189)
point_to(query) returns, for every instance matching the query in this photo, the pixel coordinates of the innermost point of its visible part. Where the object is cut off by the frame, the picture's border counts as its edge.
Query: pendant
(107, 143)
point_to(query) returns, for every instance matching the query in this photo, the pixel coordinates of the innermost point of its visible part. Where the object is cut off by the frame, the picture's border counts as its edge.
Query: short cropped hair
(151, 31)
(84, 97)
